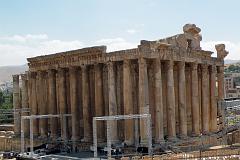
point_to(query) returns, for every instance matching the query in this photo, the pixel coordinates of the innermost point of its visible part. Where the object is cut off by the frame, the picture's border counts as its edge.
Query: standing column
(63, 102)
(86, 107)
(220, 78)
(128, 104)
(33, 104)
(205, 99)
(99, 107)
(143, 97)
(16, 105)
(73, 102)
(43, 123)
(24, 92)
(195, 101)
(213, 115)
(170, 102)
(159, 135)
(112, 101)
(52, 102)
(182, 100)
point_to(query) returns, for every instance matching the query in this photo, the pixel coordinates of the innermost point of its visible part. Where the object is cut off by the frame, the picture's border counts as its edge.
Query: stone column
(112, 101)
(52, 102)
(33, 104)
(128, 104)
(213, 108)
(43, 123)
(143, 97)
(205, 99)
(16, 105)
(159, 132)
(24, 92)
(86, 107)
(63, 101)
(220, 79)
(182, 100)
(74, 105)
(171, 124)
(195, 100)
(99, 107)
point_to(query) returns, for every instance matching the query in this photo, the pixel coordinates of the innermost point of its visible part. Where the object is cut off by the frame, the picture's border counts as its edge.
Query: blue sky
(30, 27)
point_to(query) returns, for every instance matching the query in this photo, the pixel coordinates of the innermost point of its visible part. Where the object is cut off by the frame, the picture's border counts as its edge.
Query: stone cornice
(95, 55)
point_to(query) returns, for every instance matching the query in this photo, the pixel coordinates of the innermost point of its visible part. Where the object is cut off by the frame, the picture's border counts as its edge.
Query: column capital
(204, 67)
(220, 69)
(126, 62)
(61, 71)
(83, 66)
(72, 69)
(181, 64)
(142, 61)
(24, 76)
(169, 64)
(15, 77)
(51, 72)
(194, 66)
(213, 69)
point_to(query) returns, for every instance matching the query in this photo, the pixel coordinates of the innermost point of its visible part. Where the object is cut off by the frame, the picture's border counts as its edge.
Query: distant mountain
(6, 72)
(230, 61)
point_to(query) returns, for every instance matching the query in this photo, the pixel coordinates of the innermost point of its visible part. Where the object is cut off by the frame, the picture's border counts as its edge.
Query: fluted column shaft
(16, 105)
(159, 132)
(143, 97)
(99, 107)
(213, 112)
(195, 100)
(205, 99)
(170, 102)
(63, 102)
(112, 101)
(24, 92)
(182, 100)
(52, 102)
(86, 107)
(33, 102)
(128, 104)
(73, 103)
(43, 123)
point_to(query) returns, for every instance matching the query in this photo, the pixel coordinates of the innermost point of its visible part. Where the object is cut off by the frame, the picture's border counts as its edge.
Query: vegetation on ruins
(6, 102)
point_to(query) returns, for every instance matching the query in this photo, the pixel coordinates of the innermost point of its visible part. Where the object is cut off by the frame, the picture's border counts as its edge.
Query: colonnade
(77, 91)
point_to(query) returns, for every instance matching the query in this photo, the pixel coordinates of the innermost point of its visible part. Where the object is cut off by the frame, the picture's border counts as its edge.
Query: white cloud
(15, 49)
(132, 31)
(114, 44)
(233, 48)
(24, 38)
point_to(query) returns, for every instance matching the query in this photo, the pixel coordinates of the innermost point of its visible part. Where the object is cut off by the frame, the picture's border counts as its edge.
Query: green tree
(1, 98)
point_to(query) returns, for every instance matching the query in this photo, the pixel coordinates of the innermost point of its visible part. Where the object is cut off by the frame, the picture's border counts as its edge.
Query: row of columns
(45, 96)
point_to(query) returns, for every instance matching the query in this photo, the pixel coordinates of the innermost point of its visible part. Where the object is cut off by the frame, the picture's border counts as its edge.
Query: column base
(86, 139)
(195, 134)
(159, 141)
(129, 142)
(183, 137)
(172, 139)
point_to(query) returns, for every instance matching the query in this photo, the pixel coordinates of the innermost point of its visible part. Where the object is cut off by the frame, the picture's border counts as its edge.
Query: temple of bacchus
(172, 79)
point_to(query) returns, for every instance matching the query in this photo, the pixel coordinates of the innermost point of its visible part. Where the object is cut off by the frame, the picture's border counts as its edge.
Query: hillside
(6, 72)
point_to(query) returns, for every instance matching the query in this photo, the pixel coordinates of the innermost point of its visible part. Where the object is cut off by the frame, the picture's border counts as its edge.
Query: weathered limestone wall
(172, 79)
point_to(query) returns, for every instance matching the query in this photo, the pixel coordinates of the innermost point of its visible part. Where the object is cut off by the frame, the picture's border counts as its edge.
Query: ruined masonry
(172, 79)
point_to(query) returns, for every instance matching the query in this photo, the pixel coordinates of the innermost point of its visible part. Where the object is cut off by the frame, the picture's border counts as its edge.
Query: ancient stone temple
(172, 79)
